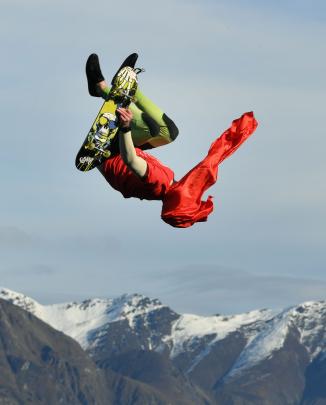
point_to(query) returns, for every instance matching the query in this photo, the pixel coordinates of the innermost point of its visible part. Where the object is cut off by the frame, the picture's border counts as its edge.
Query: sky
(65, 235)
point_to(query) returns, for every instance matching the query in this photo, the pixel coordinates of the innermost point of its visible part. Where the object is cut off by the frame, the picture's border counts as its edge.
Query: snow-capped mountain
(265, 330)
(218, 353)
(86, 321)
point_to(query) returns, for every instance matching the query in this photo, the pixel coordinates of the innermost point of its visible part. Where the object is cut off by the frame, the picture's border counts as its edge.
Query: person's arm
(126, 145)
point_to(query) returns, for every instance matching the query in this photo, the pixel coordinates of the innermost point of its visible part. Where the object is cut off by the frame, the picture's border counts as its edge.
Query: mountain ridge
(220, 355)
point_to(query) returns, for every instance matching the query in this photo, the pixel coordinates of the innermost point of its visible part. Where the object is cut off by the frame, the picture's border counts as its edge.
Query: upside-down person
(136, 173)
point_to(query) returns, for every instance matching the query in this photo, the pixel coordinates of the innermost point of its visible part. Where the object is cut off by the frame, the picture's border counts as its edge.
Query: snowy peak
(130, 307)
(80, 320)
(20, 300)
(308, 319)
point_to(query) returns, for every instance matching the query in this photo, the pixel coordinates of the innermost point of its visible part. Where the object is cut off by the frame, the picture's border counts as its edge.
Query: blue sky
(66, 235)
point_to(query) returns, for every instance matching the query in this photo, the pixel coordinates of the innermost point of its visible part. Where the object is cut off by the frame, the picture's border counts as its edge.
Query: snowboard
(102, 137)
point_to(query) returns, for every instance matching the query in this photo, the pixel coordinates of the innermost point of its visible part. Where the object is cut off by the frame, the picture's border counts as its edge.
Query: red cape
(182, 205)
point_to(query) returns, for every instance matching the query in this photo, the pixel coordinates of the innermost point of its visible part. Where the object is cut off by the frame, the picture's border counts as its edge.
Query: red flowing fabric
(182, 205)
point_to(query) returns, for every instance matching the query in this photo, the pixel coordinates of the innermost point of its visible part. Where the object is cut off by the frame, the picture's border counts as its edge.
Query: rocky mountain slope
(261, 357)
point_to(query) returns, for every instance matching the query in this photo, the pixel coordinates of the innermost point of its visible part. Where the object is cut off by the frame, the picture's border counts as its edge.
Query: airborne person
(136, 173)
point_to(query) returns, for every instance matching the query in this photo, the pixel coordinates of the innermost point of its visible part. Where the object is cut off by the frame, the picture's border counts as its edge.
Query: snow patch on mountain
(189, 329)
(310, 319)
(262, 345)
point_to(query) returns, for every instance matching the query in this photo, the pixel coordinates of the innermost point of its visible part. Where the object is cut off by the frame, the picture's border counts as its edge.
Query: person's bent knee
(153, 126)
(170, 132)
(172, 128)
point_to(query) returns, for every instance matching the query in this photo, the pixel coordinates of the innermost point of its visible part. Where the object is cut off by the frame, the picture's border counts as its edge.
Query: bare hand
(125, 117)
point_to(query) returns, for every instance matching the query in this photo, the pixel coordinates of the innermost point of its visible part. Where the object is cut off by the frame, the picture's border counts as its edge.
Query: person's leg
(151, 127)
